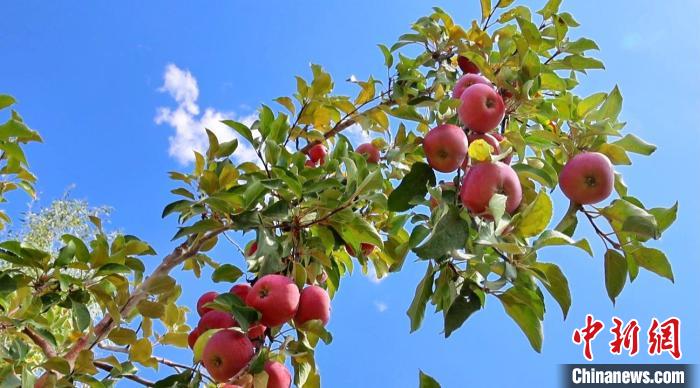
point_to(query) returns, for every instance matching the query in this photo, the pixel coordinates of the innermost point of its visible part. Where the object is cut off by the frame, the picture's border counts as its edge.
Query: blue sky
(90, 77)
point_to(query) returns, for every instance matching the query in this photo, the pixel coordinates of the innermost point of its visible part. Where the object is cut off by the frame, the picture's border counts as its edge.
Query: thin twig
(107, 367)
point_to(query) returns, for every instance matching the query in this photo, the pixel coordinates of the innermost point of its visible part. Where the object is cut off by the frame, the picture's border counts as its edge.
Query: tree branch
(107, 367)
(40, 341)
(106, 324)
(347, 121)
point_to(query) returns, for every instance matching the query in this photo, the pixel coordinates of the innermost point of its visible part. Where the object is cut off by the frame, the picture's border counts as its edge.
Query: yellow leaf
(83, 364)
(122, 336)
(141, 350)
(380, 117)
(287, 103)
(151, 309)
(480, 151)
(536, 216)
(367, 92)
(176, 339)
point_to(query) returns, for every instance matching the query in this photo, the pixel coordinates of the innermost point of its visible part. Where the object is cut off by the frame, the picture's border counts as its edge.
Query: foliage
(309, 221)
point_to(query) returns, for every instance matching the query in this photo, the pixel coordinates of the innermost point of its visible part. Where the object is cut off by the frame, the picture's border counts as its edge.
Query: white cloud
(189, 124)
(357, 135)
(381, 306)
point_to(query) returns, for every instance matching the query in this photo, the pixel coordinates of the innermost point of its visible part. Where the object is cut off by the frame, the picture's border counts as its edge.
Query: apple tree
(474, 128)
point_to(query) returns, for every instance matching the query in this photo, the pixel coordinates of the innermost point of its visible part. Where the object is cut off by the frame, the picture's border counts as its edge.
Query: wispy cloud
(381, 306)
(189, 123)
(357, 135)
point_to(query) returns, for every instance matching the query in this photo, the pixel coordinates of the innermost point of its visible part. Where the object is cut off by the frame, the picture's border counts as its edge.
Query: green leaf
(198, 227)
(653, 260)
(226, 273)
(112, 268)
(524, 315)
(632, 143)
(555, 238)
(7, 283)
(450, 232)
(467, 303)
(664, 217)
(241, 128)
(611, 107)
(6, 100)
(230, 303)
(615, 273)
(425, 381)
(615, 153)
(58, 364)
(412, 188)
(557, 285)
(81, 316)
(589, 103)
(627, 217)
(424, 291)
(536, 216)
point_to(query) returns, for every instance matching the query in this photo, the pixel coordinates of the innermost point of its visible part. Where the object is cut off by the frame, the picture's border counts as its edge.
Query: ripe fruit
(445, 146)
(252, 249)
(466, 65)
(204, 299)
(370, 151)
(310, 164)
(192, 337)
(226, 353)
(466, 81)
(256, 331)
(241, 290)
(278, 375)
(486, 179)
(276, 297)
(201, 342)
(216, 320)
(366, 249)
(482, 109)
(314, 303)
(587, 178)
(318, 153)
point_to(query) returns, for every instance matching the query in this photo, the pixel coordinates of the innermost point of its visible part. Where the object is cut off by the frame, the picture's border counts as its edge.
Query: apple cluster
(225, 349)
(586, 178)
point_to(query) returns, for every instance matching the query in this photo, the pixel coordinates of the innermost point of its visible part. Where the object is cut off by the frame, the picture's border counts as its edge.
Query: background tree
(318, 208)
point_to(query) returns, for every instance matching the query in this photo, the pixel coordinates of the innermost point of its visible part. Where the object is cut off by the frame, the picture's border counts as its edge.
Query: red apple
(256, 331)
(366, 248)
(252, 249)
(466, 81)
(226, 353)
(314, 303)
(446, 147)
(482, 109)
(370, 151)
(466, 65)
(278, 375)
(587, 178)
(486, 179)
(310, 164)
(241, 290)
(192, 337)
(204, 299)
(276, 297)
(317, 153)
(215, 319)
